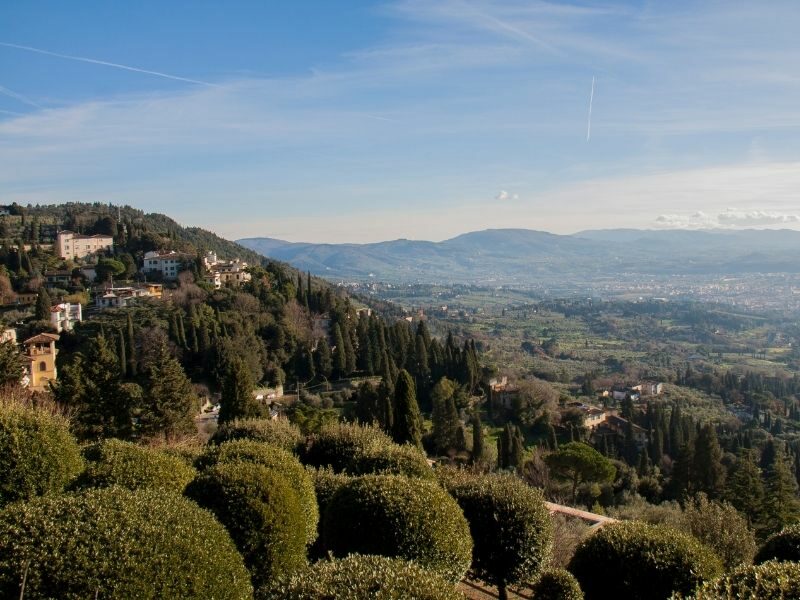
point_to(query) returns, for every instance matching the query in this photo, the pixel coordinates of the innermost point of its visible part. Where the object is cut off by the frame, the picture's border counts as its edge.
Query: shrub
(392, 515)
(557, 584)
(116, 543)
(260, 510)
(357, 577)
(510, 526)
(114, 462)
(38, 455)
(782, 546)
(637, 560)
(722, 528)
(392, 460)
(326, 484)
(337, 445)
(275, 459)
(280, 433)
(767, 581)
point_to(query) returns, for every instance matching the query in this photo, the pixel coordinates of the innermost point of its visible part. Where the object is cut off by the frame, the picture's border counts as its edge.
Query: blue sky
(363, 121)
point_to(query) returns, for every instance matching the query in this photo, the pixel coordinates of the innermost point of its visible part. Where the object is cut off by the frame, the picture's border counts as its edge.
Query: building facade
(40, 353)
(71, 245)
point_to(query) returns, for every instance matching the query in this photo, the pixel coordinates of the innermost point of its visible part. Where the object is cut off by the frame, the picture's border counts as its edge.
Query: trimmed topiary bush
(275, 459)
(279, 432)
(114, 462)
(392, 460)
(784, 545)
(358, 577)
(116, 543)
(557, 584)
(38, 454)
(396, 516)
(337, 445)
(630, 560)
(768, 581)
(262, 513)
(510, 527)
(326, 484)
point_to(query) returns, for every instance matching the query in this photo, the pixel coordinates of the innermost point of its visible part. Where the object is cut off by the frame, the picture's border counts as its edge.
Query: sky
(357, 121)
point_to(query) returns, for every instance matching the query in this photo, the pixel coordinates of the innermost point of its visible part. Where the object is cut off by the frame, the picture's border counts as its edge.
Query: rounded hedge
(637, 560)
(510, 526)
(338, 444)
(278, 432)
(557, 584)
(326, 484)
(396, 516)
(114, 462)
(262, 513)
(768, 581)
(275, 459)
(117, 543)
(358, 577)
(784, 545)
(38, 454)
(391, 460)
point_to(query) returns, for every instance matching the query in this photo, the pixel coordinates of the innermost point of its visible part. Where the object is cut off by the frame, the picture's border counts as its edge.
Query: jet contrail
(589, 126)
(12, 94)
(106, 64)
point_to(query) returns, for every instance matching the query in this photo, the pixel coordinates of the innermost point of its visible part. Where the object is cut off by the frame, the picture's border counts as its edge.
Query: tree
(11, 370)
(709, 474)
(510, 527)
(744, 488)
(238, 401)
(43, 304)
(324, 364)
(170, 403)
(339, 353)
(781, 506)
(131, 353)
(407, 421)
(477, 438)
(510, 448)
(579, 462)
(109, 267)
(444, 416)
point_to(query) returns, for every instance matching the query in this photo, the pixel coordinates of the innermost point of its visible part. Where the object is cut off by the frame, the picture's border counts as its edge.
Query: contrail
(107, 64)
(589, 126)
(12, 94)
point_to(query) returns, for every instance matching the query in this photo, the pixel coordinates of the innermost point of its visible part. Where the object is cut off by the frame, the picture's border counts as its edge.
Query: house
(8, 335)
(167, 264)
(592, 415)
(119, 297)
(225, 273)
(649, 388)
(620, 426)
(64, 316)
(58, 279)
(502, 393)
(267, 394)
(40, 353)
(71, 245)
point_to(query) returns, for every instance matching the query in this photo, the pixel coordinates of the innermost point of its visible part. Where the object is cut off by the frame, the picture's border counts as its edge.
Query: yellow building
(40, 350)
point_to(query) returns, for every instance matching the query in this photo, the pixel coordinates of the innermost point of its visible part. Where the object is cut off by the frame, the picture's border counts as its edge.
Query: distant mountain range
(523, 256)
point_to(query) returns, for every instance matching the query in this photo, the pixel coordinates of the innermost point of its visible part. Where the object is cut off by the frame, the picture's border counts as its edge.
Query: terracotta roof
(42, 338)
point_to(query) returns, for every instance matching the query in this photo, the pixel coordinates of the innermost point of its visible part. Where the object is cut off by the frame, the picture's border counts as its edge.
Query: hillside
(523, 256)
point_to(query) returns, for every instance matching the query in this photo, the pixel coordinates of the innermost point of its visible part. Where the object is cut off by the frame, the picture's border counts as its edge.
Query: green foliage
(114, 462)
(11, 370)
(767, 581)
(170, 403)
(238, 401)
(580, 463)
(38, 455)
(396, 516)
(407, 421)
(557, 584)
(260, 510)
(359, 577)
(115, 543)
(277, 460)
(392, 460)
(43, 303)
(279, 432)
(509, 524)
(722, 528)
(784, 545)
(632, 560)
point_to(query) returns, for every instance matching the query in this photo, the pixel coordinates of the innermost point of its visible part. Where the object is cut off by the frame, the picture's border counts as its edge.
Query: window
(43, 366)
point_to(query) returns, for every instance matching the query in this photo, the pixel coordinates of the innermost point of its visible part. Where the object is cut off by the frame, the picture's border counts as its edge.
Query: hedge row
(278, 432)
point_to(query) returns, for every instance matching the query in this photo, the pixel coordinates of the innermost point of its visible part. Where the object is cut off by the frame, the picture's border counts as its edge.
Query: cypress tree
(339, 353)
(43, 304)
(744, 488)
(781, 506)
(709, 474)
(238, 401)
(407, 426)
(477, 438)
(324, 364)
(123, 360)
(170, 401)
(132, 371)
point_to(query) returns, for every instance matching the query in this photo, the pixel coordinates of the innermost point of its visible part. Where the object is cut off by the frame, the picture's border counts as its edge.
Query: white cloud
(755, 217)
(504, 195)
